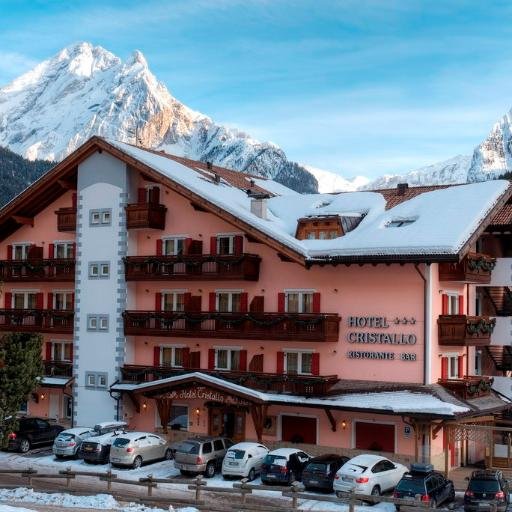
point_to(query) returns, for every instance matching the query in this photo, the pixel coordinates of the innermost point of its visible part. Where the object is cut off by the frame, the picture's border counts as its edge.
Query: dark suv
(320, 471)
(430, 485)
(32, 432)
(485, 489)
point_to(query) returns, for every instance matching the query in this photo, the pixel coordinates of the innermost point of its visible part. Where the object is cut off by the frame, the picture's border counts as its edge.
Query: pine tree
(21, 369)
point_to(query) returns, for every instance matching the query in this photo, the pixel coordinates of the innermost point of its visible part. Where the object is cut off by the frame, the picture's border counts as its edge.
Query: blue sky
(354, 86)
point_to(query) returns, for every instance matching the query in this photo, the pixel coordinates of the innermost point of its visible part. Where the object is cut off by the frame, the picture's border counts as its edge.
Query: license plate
(113, 459)
(233, 463)
(347, 479)
(271, 476)
(88, 449)
(313, 481)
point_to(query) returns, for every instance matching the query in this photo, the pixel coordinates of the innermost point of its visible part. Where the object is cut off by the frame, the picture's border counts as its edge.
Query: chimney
(401, 188)
(258, 203)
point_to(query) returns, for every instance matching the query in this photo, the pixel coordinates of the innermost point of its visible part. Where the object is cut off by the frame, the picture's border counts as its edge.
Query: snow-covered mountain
(85, 90)
(329, 181)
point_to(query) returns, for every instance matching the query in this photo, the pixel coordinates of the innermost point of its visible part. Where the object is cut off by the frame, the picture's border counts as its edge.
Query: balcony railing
(66, 219)
(145, 215)
(37, 270)
(470, 386)
(474, 268)
(36, 320)
(462, 330)
(307, 385)
(192, 267)
(260, 326)
(58, 368)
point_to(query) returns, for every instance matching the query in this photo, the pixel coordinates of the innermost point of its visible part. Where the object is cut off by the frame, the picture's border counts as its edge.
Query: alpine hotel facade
(188, 298)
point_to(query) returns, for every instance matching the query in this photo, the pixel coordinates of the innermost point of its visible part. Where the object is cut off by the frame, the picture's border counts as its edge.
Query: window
(228, 302)
(99, 270)
(62, 351)
(478, 362)
(23, 407)
(101, 217)
(24, 300)
(298, 363)
(172, 356)
(453, 367)
(173, 246)
(20, 251)
(218, 445)
(179, 417)
(299, 301)
(225, 244)
(207, 448)
(398, 223)
(63, 250)
(97, 380)
(97, 322)
(227, 359)
(63, 301)
(173, 301)
(68, 407)
(453, 304)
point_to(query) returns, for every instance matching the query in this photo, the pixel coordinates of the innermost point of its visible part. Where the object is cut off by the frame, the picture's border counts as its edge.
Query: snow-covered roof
(55, 381)
(442, 220)
(395, 402)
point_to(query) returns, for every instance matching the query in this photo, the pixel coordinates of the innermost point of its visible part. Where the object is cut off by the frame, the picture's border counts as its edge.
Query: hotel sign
(370, 337)
(203, 393)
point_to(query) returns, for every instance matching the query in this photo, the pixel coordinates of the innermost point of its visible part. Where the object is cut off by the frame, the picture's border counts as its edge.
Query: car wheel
(252, 475)
(24, 445)
(339, 494)
(184, 473)
(375, 491)
(137, 462)
(59, 457)
(210, 470)
(168, 455)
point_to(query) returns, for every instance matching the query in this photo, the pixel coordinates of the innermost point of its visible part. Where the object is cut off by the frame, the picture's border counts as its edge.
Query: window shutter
(9, 252)
(445, 304)
(154, 195)
(72, 302)
(256, 364)
(195, 360)
(8, 300)
(187, 301)
(315, 363)
(51, 251)
(158, 301)
(39, 300)
(461, 304)
(238, 244)
(49, 303)
(141, 195)
(73, 250)
(71, 352)
(280, 302)
(213, 245)
(159, 247)
(48, 350)
(156, 356)
(444, 368)
(244, 301)
(460, 361)
(316, 302)
(186, 357)
(280, 362)
(187, 245)
(211, 359)
(73, 200)
(212, 302)
(243, 360)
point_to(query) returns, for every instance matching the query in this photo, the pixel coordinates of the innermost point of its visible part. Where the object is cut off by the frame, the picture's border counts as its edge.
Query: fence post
(199, 479)
(352, 501)
(109, 479)
(242, 487)
(150, 485)
(30, 471)
(295, 499)
(68, 477)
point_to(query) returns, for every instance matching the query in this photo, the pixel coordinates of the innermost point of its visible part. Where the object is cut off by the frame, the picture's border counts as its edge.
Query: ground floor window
(68, 407)
(297, 429)
(378, 437)
(179, 417)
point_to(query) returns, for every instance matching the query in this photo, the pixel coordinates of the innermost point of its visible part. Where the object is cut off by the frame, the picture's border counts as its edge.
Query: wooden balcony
(306, 385)
(474, 268)
(66, 219)
(58, 368)
(36, 320)
(193, 267)
(463, 331)
(470, 386)
(249, 326)
(145, 215)
(33, 270)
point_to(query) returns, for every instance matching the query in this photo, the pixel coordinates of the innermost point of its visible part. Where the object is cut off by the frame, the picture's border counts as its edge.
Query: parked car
(486, 488)
(97, 448)
(320, 471)
(201, 454)
(431, 485)
(135, 448)
(32, 432)
(67, 443)
(284, 466)
(368, 474)
(244, 460)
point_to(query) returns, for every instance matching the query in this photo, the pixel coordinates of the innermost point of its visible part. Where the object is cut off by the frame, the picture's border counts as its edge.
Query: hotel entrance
(227, 421)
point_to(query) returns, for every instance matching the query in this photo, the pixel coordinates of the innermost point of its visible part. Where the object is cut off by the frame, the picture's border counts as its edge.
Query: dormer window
(398, 223)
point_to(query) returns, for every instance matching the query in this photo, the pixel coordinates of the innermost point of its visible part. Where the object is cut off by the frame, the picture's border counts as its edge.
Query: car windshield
(277, 460)
(235, 454)
(65, 437)
(121, 441)
(317, 466)
(415, 485)
(192, 448)
(484, 486)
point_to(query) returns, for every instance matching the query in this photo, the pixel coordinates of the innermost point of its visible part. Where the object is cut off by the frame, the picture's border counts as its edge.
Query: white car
(244, 460)
(368, 474)
(67, 443)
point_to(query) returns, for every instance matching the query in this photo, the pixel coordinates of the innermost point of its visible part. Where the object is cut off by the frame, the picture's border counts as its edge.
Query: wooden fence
(198, 487)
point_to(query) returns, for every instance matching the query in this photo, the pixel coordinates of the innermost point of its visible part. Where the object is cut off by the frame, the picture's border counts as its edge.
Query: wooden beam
(135, 401)
(437, 428)
(29, 221)
(66, 184)
(331, 419)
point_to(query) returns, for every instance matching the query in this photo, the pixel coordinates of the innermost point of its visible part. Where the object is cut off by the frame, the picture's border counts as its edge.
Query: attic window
(399, 223)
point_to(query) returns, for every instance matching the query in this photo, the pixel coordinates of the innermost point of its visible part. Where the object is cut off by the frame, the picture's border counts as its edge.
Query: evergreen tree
(21, 369)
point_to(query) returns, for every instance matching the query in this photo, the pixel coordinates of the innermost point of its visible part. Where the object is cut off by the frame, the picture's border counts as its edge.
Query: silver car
(135, 448)
(68, 442)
